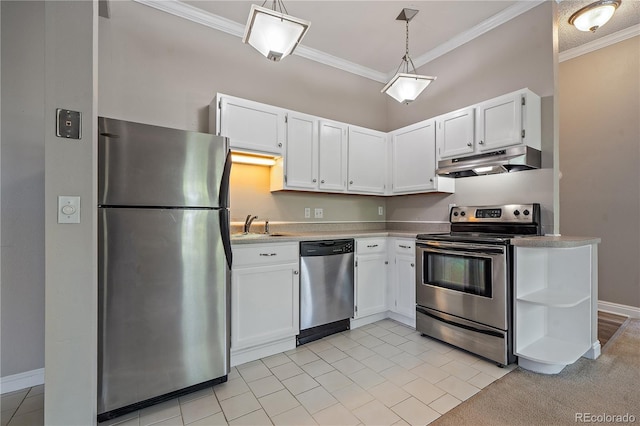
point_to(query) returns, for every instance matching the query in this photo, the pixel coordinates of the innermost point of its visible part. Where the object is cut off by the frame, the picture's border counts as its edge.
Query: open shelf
(552, 350)
(556, 297)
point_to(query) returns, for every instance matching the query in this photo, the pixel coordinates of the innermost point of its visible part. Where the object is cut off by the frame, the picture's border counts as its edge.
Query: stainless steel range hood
(500, 161)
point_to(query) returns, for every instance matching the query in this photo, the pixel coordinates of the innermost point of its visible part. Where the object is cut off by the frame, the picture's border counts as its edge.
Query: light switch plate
(380, 211)
(68, 209)
(307, 212)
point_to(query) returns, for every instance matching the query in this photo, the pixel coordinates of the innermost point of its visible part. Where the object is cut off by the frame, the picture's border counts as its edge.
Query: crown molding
(474, 32)
(199, 16)
(600, 43)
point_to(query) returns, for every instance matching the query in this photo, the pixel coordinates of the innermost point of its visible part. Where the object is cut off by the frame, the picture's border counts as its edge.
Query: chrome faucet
(247, 223)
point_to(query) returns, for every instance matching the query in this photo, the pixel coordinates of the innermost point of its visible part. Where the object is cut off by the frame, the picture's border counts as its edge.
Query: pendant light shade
(405, 86)
(595, 15)
(274, 34)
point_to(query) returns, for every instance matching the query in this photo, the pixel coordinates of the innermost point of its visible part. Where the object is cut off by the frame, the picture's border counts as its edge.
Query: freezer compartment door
(163, 303)
(143, 165)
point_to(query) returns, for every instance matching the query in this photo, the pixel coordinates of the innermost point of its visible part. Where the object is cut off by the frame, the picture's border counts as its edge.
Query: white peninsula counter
(555, 301)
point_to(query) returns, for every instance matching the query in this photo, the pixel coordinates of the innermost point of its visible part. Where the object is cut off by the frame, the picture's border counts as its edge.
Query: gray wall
(153, 75)
(22, 169)
(517, 54)
(600, 162)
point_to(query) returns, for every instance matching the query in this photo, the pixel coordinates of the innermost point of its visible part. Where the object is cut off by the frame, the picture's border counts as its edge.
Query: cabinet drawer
(265, 254)
(405, 246)
(371, 245)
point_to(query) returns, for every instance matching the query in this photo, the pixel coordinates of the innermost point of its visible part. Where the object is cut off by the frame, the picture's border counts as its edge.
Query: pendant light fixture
(274, 33)
(405, 86)
(595, 15)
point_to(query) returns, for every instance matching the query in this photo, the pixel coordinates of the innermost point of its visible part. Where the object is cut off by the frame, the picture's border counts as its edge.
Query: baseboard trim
(615, 308)
(21, 380)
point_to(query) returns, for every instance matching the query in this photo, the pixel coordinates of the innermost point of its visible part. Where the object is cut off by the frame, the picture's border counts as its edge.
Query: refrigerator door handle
(226, 235)
(223, 193)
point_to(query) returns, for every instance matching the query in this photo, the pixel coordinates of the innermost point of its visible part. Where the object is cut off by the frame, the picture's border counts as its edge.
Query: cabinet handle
(322, 181)
(372, 246)
(412, 265)
(430, 179)
(469, 144)
(268, 254)
(350, 182)
(315, 180)
(481, 142)
(403, 246)
(280, 145)
(295, 272)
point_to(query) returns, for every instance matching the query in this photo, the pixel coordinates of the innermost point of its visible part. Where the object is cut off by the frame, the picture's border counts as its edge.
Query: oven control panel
(509, 213)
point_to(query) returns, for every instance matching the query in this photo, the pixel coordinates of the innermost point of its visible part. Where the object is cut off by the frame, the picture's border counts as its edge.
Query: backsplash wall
(250, 194)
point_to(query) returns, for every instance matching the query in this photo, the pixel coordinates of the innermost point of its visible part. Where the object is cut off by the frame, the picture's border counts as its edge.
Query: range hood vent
(506, 160)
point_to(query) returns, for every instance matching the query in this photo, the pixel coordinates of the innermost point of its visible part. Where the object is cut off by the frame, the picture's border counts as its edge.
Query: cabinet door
(252, 126)
(332, 149)
(414, 158)
(302, 147)
(405, 286)
(500, 122)
(367, 160)
(371, 285)
(264, 304)
(454, 134)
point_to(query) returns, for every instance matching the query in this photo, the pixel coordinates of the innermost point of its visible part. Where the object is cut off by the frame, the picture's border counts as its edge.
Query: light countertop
(282, 237)
(554, 241)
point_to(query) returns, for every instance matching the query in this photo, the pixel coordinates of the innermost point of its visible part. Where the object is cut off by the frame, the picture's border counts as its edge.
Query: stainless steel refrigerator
(164, 264)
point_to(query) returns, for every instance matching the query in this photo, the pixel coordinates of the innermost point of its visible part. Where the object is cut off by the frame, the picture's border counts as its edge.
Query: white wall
(71, 329)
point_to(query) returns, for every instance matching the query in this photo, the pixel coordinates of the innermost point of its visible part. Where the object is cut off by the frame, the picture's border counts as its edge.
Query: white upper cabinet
(367, 160)
(251, 126)
(301, 161)
(500, 122)
(512, 119)
(455, 134)
(332, 156)
(414, 158)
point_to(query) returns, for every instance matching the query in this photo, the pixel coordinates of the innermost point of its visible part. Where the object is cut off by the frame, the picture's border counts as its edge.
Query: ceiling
(365, 34)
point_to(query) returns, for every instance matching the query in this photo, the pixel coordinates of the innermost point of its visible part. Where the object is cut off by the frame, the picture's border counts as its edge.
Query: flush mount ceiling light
(406, 86)
(595, 15)
(273, 32)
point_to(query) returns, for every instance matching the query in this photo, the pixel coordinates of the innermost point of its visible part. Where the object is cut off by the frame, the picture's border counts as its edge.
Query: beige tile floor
(380, 374)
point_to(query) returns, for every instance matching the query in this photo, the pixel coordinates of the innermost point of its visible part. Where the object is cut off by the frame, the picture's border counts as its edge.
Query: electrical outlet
(452, 205)
(380, 211)
(318, 213)
(307, 212)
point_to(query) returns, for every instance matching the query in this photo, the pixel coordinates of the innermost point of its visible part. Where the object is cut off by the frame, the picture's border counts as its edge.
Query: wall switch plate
(318, 213)
(68, 124)
(68, 209)
(307, 212)
(380, 211)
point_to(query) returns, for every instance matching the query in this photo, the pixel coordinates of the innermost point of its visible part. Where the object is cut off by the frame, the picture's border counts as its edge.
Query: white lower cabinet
(554, 308)
(403, 281)
(265, 300)
(370, 277)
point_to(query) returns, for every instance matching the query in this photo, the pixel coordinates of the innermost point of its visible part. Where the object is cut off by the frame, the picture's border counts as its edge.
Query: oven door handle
(468, 250)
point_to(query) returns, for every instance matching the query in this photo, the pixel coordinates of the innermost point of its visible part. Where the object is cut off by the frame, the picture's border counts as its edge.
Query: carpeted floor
(609, 385)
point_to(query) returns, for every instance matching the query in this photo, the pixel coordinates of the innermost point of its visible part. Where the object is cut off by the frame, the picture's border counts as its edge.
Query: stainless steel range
(464, 279)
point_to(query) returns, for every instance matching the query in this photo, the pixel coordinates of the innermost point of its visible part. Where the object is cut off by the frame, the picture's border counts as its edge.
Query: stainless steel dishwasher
(326, 288)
